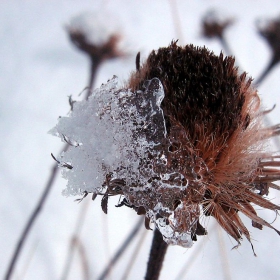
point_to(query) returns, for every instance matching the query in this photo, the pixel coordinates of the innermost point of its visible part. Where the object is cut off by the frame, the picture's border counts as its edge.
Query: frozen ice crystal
(114, 128)
(118, 145)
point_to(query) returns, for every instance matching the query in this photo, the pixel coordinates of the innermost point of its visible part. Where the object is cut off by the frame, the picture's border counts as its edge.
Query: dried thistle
(183, 139)
(216, 138)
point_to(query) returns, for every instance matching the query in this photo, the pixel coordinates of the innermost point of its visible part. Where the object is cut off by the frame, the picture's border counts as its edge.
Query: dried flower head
(213, 26)
(92, 34)
(183, 139)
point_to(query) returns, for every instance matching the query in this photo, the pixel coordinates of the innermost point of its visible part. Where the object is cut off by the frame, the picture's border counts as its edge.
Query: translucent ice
(118, 145)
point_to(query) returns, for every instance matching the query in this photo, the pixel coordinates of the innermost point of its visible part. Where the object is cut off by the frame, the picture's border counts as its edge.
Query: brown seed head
(214, 146)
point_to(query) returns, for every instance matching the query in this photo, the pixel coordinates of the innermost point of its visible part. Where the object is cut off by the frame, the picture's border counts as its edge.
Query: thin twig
(176, 20)
(75, 236)
(225, 45)
(227, 49)
(32, 219)
(94, 66)
(105, 234)
(189, 263)
(84, 261)
(157, 254)
(134, 255)
(28, 261)
(121, 250)
(224, 256)
(258, 81)
(266, 71)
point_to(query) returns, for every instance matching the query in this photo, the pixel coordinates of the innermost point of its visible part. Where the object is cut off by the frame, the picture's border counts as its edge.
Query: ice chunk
(115, 130)
(118, 145)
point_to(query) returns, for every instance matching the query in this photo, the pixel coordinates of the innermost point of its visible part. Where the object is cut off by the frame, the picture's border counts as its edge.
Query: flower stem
(267, 70)
(32, 219)
(121, 250)
(94, 65)
(157, 254)
(225, 45)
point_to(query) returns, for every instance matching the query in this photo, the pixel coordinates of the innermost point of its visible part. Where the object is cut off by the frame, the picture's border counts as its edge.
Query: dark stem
(94, 65)
(267, 70)
(225, 45)
(121, 250)
(32, 219)
(134, 255)
(258, 82)
(157, 254)
(227, 49)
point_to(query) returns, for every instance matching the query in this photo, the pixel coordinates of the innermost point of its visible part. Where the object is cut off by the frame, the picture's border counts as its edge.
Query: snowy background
(40, 68)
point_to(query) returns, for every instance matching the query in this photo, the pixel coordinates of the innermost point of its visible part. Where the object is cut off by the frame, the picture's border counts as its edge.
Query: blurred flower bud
(213, 26)
(96, 36)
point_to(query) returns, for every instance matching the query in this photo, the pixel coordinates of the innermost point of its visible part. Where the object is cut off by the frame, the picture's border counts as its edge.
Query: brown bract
(215, 141)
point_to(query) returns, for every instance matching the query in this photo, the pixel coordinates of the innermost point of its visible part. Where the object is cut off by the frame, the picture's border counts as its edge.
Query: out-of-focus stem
(121, 250)
(84, 261)
(74, 239)
(225, 45)
(157, 254)
(224, 256)
(134, 255)
(32, 219)
(176, 20)
(266, 71)
(192, 258)
(258, 82)
(94, 66)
